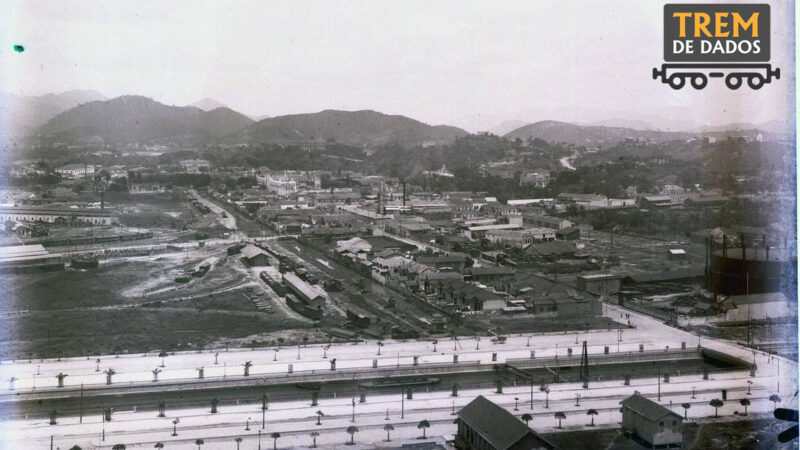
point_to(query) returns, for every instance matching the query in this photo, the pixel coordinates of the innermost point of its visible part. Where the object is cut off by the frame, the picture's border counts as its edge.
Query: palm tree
(546, 389)
(163, 355)
(314, 435)
(686, 407)
(275, 437)
(75, 447)
(380, 344)
(775, 399)
(118, 447)
(352, 430)
(158, 445)
(560, 416)
(199, 443)
(591, 412)
(319, 417)
(388, 428)
(745, 402)
(423, 425)
(527, 418)
(238, 441)
(717, 404)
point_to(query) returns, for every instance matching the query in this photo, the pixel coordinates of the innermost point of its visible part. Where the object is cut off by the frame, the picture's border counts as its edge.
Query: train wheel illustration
(676, 81)
(755, 81)
(733, 81)
(699, 81)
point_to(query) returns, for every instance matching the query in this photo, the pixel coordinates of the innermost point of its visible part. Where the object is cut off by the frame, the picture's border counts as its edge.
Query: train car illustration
(735, 75)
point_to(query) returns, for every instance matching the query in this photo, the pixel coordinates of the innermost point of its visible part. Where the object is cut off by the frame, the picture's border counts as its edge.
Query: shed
(254, 256)
(651, 422)
(484, 425)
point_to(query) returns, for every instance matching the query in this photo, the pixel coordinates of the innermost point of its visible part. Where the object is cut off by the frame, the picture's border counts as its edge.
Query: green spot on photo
(18, 48)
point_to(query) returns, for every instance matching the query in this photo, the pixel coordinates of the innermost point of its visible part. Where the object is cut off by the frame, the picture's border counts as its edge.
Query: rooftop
(498, 427)
(647, 408)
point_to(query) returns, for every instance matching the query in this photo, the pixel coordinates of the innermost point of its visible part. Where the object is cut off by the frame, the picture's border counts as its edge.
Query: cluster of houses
(454, 281)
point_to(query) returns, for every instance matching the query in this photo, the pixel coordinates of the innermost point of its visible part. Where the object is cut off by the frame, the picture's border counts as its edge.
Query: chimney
(744, 248)
(724, 246)
(404, 193)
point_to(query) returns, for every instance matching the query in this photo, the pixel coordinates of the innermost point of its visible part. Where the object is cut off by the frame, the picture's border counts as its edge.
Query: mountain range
(22, 115)
(83, 117)
(134, 118)
(348, 127)
(590, 135)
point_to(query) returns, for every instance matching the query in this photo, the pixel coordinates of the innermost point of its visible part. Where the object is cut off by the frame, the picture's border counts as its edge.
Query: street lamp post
(516, 403)
(531, 392)
(174, 426)
(247, 425)
(353, 417)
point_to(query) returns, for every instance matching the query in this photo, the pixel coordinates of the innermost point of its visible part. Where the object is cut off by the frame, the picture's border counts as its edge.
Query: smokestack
(744, 249)
(724, 245)
(404, 193)
(380, 198)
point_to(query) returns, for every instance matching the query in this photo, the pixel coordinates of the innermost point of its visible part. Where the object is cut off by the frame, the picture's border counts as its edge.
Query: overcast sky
(467, 63)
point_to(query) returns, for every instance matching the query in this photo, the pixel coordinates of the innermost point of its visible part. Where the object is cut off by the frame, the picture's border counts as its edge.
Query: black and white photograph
(411, 225)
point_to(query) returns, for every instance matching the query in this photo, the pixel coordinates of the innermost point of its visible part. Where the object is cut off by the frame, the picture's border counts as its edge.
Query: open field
(132, 305)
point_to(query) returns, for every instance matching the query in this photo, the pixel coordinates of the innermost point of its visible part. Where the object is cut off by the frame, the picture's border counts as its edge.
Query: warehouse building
(29, 258)
(307, 293)
(56, 215)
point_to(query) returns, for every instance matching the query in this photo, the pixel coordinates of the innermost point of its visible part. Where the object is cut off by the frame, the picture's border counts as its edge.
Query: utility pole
(81, 408)
(263, 417)
(403, 401)
(659, 383)
(584, 373)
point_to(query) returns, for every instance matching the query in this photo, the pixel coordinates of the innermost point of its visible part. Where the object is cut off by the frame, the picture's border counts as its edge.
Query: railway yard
(239, 332)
